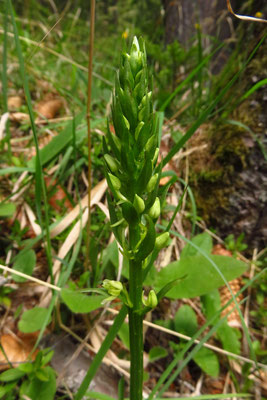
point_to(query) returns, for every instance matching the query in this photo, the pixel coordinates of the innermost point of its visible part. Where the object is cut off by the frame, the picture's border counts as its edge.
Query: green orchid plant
(130, 159)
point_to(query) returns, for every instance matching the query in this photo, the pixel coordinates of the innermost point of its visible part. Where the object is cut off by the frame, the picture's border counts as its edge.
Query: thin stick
(30, 278)
(88, 118)
(43, 39)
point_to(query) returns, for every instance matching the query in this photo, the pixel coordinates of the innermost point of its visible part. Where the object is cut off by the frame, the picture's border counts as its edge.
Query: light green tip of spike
(135, 45)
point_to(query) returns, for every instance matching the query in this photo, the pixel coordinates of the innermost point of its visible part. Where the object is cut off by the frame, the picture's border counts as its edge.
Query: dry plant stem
(88, 118)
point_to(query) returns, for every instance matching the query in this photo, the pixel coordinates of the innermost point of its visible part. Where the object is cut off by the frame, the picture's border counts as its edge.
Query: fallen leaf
(19, 117)
(49, 109)
(16, 349)
(14, 102)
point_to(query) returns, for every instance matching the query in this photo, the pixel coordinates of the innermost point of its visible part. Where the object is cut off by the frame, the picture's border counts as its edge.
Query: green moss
(214, 172)
(210, 176)
(229, 147)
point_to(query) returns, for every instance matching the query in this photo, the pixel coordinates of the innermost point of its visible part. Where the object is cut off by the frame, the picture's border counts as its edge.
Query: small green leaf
(26, 367)
(156, 353)
(185, 321)
(42, 374)
(79, 302)
(207, 360)
(47, 356)
(229, 339)
(12, 374)
(211, 304)
(25, 262)
(32, 320)
(7, 209)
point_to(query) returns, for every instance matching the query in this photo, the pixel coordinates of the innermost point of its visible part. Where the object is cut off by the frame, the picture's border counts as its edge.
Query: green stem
(136, 331)
(136, 324)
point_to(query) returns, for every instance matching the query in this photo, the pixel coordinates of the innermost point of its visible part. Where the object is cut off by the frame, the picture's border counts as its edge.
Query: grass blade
(255, 87)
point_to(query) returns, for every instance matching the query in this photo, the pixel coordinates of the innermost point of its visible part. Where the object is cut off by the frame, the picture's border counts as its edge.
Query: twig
(30, 278)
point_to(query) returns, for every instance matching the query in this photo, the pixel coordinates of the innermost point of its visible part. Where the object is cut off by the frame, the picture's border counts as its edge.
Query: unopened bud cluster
(131, 154)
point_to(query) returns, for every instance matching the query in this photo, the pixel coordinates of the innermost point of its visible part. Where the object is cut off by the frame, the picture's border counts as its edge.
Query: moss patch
(214, 170)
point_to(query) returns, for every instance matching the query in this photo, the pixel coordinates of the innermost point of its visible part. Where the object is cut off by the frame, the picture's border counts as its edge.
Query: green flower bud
(120, 195)
(150, 143)
(111, 162)
(152, 183)
(162, 240)
(126, 122)
(113, 288)
(116, 183)
(142, 114)
(117, 142)
(139, 204)
(146, 98)
(156, 154)
(151, 301)
(138, 129)
(154, 211)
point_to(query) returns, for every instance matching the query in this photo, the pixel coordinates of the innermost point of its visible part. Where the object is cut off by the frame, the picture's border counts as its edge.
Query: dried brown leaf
(16, 349)
(14, 102)
(49, 109)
